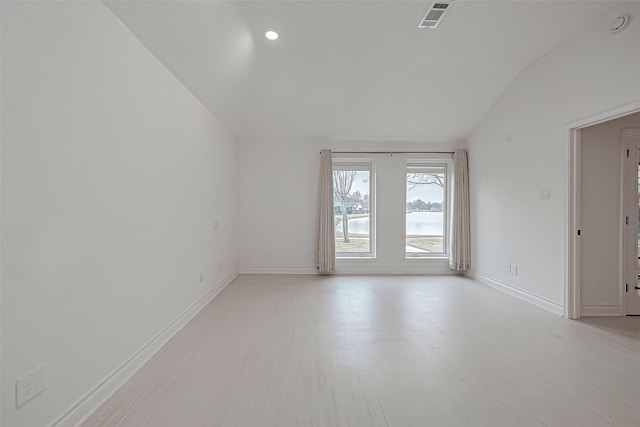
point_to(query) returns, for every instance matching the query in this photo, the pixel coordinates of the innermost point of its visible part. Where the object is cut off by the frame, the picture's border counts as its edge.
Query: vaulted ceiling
(350, 70)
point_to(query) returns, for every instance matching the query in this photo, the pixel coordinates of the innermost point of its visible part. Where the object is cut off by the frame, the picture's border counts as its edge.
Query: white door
(631, 224)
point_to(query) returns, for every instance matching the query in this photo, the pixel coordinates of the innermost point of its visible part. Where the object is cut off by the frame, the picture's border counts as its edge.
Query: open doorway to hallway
(602, 255)
(630, 228)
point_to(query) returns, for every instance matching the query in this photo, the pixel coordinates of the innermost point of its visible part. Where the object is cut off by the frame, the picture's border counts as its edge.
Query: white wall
(279, 201)
(601, 174)
(591, 72)
(112, 176)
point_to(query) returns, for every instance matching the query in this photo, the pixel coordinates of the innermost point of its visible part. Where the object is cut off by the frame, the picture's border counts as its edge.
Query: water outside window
(425, 210)
(352, 211)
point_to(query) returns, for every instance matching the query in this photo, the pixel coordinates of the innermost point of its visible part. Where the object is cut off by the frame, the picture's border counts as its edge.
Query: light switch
(545, 194)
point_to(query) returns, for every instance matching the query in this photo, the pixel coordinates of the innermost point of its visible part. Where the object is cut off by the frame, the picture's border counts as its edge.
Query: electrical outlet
(31, 385)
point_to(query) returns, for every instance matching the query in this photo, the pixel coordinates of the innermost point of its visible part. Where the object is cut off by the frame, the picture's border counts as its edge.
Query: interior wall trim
(102, 391)
(601, 310)
(277, 270)
(434, 269)
(536, 300)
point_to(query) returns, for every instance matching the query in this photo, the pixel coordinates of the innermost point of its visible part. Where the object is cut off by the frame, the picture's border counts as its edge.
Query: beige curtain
(460, 253)
(326, 227)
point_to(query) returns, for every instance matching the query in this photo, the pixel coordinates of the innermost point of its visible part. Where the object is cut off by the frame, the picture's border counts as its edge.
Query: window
(353, 204)
(426, 218)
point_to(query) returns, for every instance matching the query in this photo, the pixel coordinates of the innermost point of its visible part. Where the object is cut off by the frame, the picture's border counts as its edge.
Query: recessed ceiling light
(271, 35)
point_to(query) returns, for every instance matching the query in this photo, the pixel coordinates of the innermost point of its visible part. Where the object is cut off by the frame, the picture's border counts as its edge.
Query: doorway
(630, 230)
(613, 288)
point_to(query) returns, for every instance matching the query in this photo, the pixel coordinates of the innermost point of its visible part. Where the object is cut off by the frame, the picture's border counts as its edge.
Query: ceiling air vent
(434, 15)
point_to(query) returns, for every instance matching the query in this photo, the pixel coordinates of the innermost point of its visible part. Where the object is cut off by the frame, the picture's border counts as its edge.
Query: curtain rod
(392, 152)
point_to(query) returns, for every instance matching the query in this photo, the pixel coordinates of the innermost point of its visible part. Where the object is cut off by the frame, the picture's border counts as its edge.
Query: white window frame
(362, 165)
(431, 162)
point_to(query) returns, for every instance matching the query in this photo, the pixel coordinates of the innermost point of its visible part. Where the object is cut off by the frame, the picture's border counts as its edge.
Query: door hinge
(627, 220)
(579, 232)
(626, 287)
(627, 153)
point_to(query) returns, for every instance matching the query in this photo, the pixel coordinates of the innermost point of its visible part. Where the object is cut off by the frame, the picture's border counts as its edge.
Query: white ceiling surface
(350, 70)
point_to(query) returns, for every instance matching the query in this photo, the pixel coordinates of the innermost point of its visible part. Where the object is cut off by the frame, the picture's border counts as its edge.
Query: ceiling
(350, 70)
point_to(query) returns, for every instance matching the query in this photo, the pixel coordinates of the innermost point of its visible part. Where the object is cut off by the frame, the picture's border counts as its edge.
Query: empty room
(319, 213)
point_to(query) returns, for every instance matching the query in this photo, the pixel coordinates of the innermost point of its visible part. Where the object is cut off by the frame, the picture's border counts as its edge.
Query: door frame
(572, 221)
(630, 144)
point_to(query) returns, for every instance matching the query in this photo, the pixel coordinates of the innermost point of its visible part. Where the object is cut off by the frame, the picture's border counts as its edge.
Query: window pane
(426, 210)
(352, 211)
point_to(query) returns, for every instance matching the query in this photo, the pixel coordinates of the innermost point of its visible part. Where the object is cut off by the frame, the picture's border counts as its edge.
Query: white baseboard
(278, 270)
(91, 401)
(520, 294)
(363, 267)
(435, 271)
(600, 310)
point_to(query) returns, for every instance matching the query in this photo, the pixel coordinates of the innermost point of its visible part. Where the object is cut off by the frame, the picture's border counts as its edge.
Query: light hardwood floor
(383, 351)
